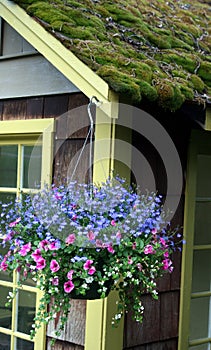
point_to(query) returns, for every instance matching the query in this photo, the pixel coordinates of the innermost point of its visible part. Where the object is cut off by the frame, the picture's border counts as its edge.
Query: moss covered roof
(158, 50)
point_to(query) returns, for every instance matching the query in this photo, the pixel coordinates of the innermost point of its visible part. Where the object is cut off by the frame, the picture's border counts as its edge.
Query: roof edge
(63, 59)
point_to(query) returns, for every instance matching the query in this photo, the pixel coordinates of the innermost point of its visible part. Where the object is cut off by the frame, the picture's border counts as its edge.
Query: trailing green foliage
(155, 49)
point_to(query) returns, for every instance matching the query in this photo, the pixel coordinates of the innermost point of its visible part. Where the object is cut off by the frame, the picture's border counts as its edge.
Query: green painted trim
(34, 131)
(187, 255)
(63, 59)
(199, 144)
(100, 335)
(29, 126)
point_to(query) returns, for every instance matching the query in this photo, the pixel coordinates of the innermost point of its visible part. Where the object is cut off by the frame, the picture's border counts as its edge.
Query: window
(195, 313)
(25, 165)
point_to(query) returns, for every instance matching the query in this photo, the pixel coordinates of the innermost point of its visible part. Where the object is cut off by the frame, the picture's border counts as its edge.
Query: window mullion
(19, 169)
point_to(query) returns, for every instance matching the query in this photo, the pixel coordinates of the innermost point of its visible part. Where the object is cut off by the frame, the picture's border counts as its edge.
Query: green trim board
(194, 326)
(14, 137)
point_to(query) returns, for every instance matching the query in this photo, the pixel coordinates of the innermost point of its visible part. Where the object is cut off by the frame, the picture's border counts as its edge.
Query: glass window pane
(4, 341)
(22, 344)
(201, 278)
(203, 223)
(8, 165)
(5, 312)
(32, 166)
(203, 176)
(199, 318)
(26, 311)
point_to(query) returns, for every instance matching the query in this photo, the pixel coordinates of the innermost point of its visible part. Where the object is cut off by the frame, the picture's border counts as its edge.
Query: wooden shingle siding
(61, 345)
(161, 345)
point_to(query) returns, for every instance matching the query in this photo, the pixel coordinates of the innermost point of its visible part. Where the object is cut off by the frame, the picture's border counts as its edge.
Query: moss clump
(120, 82)
(187, 92)
(47, 12)
(205, 71)
(197, 83)
(169, 96)
(148, 91)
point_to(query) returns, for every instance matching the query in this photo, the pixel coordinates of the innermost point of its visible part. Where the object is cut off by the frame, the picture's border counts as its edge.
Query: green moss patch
(159, 50)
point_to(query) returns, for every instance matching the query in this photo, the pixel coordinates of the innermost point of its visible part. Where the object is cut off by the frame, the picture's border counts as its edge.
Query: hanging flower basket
(81, 241)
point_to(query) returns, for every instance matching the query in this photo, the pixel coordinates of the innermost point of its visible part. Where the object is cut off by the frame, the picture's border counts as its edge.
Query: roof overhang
(64, 60)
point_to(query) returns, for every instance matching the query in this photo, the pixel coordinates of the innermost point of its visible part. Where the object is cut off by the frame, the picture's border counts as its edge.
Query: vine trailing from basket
(69, 239)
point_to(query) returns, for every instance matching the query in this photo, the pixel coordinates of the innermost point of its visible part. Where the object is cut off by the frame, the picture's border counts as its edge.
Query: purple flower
(149, 249)
(36, 255)
(68, 286)
(44, 244)
(54, 266)
(40, 263)
(70, 239)
(14, 223)
(88, 264)
(3, 266)
(25, 249)
(88, 267)
(55, 281)
(55, 245)
(70, 274)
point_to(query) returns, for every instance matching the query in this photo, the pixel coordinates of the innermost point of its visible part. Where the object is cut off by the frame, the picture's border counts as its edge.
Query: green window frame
(22, 136)
(195, 304)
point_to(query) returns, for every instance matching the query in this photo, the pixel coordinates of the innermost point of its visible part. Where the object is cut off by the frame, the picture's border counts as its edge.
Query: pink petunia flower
(167, 265)
(154, 231)
(40, 263)
(3, 266)
(55, 281)
(113, 223)
(44, 244)
(70, 239)
(25, 249)
(134, 246)
(166, 254)
(91, 235)
(148, 249)
(53, 246)
(92, 270)
(54, 265)
(88, 264)
(70, 274)
(14, 223)
(99, 243)
(130, 261)
(68, 286)
(36, 255)
(163, 242)
(110, 248)
(118, 235)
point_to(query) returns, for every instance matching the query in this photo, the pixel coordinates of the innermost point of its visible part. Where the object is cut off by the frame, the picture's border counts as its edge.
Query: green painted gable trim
(157, 50)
